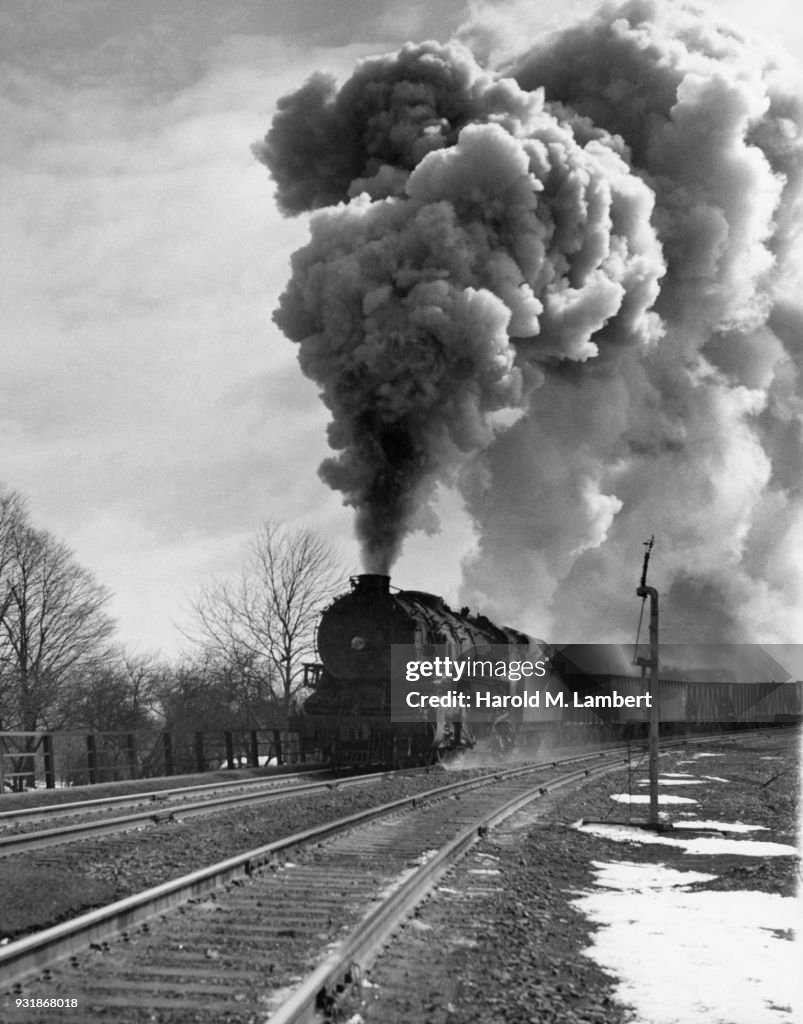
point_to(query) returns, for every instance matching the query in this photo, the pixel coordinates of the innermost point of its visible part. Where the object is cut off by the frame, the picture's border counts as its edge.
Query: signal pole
(655, 712)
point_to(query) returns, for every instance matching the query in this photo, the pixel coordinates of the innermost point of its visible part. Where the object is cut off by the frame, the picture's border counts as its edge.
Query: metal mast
(644, 591)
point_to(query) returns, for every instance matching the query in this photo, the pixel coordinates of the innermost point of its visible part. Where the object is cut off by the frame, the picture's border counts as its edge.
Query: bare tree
(120, 692)
(52, 620)
(13, 518)
(262, 625)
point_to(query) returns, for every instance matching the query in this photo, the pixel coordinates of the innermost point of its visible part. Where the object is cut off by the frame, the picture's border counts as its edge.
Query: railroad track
(232, 954)
(21, 831)
(250, 792)
(155, 797)
(227, 955)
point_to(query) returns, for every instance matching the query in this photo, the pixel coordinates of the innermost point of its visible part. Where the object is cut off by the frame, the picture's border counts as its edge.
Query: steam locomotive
(404, 680)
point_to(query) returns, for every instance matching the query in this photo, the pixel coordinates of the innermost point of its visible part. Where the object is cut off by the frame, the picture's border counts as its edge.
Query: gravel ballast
(501, 939)
(42, 888)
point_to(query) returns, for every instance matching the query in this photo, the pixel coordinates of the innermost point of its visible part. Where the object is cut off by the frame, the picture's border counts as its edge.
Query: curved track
(238, 938)
(215, 954)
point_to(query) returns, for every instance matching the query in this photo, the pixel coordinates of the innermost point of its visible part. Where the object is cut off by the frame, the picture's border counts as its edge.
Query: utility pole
(644, 591)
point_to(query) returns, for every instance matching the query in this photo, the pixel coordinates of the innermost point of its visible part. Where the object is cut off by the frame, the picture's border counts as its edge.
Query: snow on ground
(673, 782)
(694, 958)
(686, 957)
(691, 760)
(676, 779)
(664, 798)
(701, 844)
(720, 826)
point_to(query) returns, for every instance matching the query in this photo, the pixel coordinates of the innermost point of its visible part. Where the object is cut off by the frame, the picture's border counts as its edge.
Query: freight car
(512, 688)
(702, 687)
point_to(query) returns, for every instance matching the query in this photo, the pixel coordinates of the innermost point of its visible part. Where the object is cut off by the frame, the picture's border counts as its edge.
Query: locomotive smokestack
(555, 288)
(372, 584)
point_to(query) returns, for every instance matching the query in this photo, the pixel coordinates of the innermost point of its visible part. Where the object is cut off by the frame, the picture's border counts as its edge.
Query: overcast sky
(151, 412)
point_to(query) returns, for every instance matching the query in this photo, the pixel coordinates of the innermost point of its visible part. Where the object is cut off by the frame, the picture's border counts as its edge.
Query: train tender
(352, 713)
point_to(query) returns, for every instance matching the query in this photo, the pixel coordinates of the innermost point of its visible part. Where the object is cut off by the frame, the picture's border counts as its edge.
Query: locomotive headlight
(358, 643)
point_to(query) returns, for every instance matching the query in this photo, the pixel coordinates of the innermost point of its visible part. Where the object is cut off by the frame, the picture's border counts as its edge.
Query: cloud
(147, 255)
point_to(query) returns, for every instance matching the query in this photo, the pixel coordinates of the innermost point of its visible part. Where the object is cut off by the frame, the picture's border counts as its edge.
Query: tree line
(61, 666)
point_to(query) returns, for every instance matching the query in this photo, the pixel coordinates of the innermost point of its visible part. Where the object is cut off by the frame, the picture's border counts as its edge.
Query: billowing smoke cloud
(697, 439)
(561, 285)
(477, 241)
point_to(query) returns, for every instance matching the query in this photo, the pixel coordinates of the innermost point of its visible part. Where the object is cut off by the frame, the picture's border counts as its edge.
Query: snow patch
(694, 958)
(673, 782)
(720, 826)
(664, 798)
(701, 845)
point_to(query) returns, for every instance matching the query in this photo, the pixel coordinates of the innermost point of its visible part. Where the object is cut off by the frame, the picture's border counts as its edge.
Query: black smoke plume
(476, 240)
(567, 286)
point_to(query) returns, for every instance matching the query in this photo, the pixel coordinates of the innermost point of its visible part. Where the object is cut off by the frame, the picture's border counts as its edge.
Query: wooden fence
(69, 758)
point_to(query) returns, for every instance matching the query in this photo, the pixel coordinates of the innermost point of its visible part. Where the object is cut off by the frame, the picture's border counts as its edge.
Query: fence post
(254, 748)
(167, 740)
(227, 736)
(2, 759)
(200, 760)
(47, 751)
(131, 754)
(277, 741)
(92, 759)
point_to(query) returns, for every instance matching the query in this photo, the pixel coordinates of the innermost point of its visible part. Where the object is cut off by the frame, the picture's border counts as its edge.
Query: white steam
(598, 235)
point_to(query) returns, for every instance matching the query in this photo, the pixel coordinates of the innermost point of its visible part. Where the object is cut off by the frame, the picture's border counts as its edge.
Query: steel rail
(39, 950)
(34, 952)
(158, 795)
(43, 838)
(372, 933)
(150, 795)
(355, 954)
